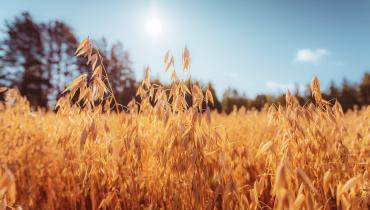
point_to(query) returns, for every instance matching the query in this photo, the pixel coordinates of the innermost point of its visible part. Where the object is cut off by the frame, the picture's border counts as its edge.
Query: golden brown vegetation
(172, 155)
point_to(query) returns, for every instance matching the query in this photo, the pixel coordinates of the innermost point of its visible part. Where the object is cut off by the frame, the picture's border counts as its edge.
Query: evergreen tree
(22, 59)
(365, 89)
(349, 95)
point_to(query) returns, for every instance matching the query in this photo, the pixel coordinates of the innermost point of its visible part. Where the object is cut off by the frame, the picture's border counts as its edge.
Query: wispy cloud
(284, 87)
(339, 63)
(310, 55)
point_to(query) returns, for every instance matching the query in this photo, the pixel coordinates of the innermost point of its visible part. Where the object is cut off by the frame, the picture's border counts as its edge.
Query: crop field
(161, 152)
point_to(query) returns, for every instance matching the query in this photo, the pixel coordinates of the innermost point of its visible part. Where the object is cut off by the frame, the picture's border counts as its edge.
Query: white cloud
(233, 75)
(284, 87)
(311, 56)
(279, 86)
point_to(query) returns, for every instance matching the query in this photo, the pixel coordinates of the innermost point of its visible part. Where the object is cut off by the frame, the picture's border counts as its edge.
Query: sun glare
(154, 26)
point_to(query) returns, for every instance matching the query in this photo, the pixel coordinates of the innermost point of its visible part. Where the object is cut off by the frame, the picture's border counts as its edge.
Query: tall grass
(163, 153)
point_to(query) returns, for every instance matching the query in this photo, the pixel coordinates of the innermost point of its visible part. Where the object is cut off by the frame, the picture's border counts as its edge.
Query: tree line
(39, 59)
(350, 95)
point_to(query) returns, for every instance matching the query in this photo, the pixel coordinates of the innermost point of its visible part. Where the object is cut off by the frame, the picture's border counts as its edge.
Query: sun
(154, 26)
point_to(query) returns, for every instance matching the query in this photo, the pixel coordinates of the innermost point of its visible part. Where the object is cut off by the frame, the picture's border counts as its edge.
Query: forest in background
(39, 59)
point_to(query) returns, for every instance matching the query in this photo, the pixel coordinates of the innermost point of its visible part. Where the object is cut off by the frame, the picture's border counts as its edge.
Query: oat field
(164, 153)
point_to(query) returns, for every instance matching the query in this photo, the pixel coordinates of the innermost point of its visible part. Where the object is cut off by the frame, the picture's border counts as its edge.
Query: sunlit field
(161, 152)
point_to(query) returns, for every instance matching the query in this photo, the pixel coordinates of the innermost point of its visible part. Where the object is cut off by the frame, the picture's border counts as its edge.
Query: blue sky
(253, 46)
